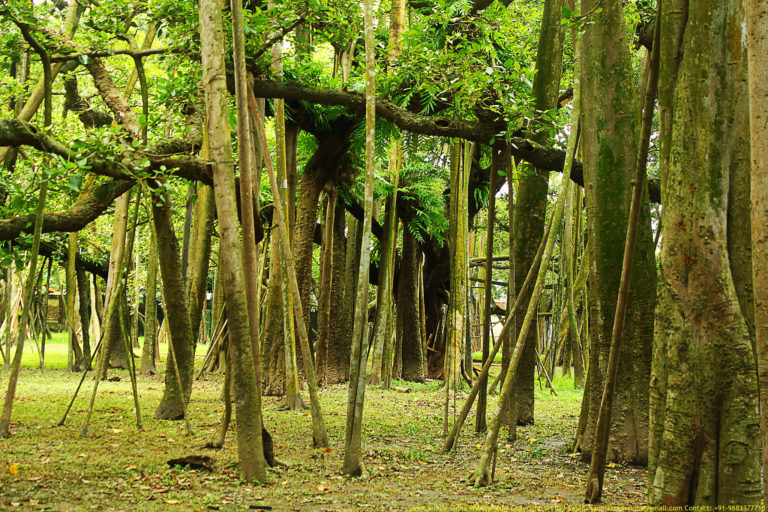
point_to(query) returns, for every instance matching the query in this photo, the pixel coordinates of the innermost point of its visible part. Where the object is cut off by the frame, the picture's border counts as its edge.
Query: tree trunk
(148, 355)
(408, 310)
(304, 233)
(457, 309)
(384, 293)
(757, 45)
(326, 286)
(532, 188)
(113, 339)
(339, 342)
(248, 371)
(74, 354)
(84, 304)
(199, 253)
(250, 450)
(594, 488)
(272, 343)
(353, 463)
(181, 346)
(319, 434)
(609, 141)
(704, 441)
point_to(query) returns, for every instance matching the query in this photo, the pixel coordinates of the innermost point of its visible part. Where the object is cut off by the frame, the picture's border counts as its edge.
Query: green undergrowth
(116, 467)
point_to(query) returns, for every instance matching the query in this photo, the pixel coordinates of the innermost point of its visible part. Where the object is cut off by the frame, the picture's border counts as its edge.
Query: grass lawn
(118, 468)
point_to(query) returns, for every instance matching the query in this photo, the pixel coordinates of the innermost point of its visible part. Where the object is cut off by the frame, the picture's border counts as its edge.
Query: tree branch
(89, 205)
(386, 109)
(109, 53)
(542, 157)
(18, 133)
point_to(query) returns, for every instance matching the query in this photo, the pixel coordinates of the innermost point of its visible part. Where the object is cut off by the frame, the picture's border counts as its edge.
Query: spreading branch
(89, 205)
(386, 109)
(18, 133)
(136, 54)
(542, 157)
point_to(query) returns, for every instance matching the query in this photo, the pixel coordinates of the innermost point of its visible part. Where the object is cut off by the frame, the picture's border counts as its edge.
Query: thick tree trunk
(757, 44)
(182, 342)
(609, 141)
(408, 310)
(704, 441)
(530, 213)
(532, 196)
(339, 341)
(304, 233)
(212, 50)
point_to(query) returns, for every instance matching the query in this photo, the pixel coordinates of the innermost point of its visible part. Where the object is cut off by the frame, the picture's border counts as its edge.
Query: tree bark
(532, 194)
(182, 344)
(408, 310)
(326, 286)
(150, 309)
(457, 308)
(594, 488)
(199, 254)
(84, 295)
(757, 49)
(609, 141)
(113, 346)
(353, 463)
(704, 438)
(250, 450)
(339, 341)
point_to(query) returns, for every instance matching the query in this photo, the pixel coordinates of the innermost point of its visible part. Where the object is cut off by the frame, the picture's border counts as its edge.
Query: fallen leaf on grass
(323, 487)
(13, 469)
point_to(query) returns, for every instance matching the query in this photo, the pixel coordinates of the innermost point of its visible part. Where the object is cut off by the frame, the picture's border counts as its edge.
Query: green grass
(478, 356)
(56, 352)
(117, 467)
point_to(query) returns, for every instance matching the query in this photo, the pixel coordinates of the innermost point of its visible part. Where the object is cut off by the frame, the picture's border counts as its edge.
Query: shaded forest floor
(118, 468)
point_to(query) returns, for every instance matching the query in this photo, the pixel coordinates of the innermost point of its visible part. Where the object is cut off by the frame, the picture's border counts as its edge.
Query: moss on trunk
(609, 141)
(704, 443)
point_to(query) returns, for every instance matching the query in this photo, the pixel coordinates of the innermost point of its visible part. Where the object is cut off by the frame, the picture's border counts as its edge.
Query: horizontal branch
(386, 109)
(60, 253)
(541, 157)
(18, 133)
(552, 160)
(92, 203)
(109, 53)
(89, 205)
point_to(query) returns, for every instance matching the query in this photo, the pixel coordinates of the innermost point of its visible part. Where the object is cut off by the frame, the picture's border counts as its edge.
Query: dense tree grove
(323, 192)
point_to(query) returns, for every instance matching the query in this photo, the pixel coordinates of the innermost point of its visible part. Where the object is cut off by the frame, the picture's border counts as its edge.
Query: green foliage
(425, 183)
